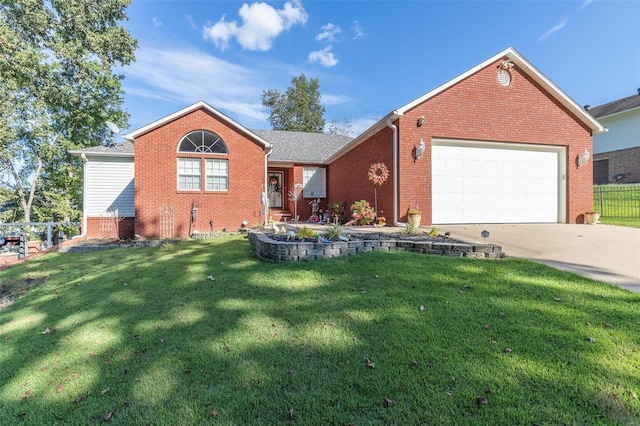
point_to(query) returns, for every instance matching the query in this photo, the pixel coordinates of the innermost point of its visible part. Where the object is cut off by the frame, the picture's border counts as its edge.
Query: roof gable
(518, 60)
(512, 56)
(194, 107)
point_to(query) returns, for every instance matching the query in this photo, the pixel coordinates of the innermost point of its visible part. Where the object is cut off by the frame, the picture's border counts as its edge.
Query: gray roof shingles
(302, 147)
(624, 104)
(125, 147)
(294, 147)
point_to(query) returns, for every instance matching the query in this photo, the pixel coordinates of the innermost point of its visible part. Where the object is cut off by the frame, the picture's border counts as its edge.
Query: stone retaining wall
(283, 251)
(83, 248)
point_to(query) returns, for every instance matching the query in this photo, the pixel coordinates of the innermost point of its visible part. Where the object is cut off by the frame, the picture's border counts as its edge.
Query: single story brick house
(500, 143)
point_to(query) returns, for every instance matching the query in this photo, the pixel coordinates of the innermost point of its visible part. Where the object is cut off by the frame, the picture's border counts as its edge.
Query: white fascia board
(102, 154)
(381, 124)
(184, 111)
(531, 71)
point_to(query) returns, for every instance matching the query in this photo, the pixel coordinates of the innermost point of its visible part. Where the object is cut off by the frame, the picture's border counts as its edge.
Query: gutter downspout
(265, 186)
(395, 171)
(84, 199)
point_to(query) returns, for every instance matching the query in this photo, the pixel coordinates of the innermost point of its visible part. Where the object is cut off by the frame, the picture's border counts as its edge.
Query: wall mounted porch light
(584, 158)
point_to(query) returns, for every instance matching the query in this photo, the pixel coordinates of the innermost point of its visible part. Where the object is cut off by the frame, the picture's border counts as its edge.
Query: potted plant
(414, 216)
(592, 218)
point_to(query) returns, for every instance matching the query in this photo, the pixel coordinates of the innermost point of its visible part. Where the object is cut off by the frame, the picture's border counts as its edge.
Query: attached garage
(484, 182)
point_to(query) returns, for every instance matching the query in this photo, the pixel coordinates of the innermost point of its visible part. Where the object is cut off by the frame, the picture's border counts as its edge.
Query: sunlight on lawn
(159, 381)
(22, 320)
(260, 339)
(187, 314)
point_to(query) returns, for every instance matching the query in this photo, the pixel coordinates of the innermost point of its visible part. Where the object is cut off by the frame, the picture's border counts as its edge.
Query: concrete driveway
(602, 252)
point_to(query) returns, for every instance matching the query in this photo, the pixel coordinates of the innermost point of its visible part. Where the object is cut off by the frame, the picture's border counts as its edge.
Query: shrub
(336, 212)
(306, 233)
(363, 213)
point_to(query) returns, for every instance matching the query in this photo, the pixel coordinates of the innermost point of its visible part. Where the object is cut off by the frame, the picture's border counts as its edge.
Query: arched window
(216, 170)
(202, 141)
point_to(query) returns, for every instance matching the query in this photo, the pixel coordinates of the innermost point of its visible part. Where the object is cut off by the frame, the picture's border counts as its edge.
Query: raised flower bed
(273, 250)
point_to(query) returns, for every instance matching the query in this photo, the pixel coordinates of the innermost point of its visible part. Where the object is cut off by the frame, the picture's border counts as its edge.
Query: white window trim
(206, 174)
(199, 175)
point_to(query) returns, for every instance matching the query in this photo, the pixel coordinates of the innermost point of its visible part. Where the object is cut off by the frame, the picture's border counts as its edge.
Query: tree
(57, 89)
(298, 108)
(339, 127)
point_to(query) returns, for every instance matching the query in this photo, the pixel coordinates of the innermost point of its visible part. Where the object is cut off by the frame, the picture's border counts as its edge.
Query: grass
(628, 222)
(617, 201)
(202, 333)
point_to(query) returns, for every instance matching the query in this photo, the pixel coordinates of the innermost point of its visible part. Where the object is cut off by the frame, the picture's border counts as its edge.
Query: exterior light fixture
(584, 158)
(505, 65)
(421, 121)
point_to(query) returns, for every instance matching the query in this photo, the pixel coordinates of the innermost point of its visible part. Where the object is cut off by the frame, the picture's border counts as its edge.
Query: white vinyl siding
(189, 173)
(314, 182)
(497, 183)
(109, 187)
(217, 175)
(624, 132)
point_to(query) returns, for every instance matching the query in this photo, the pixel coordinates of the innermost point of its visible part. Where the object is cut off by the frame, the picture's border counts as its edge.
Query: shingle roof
(119, 149)
(299, 147)
(302, 147)
(624, 104)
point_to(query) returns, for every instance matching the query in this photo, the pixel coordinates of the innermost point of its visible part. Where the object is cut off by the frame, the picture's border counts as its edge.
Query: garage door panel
(495, 184)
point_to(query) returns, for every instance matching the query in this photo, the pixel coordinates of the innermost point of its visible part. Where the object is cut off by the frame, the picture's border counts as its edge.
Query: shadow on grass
(200, 331)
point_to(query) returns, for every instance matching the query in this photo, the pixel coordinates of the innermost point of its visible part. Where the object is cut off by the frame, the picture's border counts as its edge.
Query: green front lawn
(203, 333)
(629, 222)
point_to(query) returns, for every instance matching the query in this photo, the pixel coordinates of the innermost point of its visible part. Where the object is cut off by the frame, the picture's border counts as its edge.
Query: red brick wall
(477, 108)
(156, 179)
(348, 176)
(108, 228)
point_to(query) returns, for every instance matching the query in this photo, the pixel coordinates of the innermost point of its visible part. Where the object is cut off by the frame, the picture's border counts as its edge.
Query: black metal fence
(617, 200)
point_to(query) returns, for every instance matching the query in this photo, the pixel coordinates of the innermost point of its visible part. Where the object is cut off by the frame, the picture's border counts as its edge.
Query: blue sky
(370, 57)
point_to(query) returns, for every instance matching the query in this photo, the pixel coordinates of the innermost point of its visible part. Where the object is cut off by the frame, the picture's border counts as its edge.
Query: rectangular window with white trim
(216, 174)
(314, 182)
(189, 174)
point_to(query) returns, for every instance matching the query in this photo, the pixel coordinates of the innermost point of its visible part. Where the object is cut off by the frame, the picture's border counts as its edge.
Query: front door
(274, 190)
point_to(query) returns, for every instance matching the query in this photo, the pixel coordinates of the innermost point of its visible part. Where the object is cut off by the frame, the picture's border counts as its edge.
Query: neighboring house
(617, 152)
(501, 145)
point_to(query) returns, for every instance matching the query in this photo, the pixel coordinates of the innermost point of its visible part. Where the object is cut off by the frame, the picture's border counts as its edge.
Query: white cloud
(221, 32)
(357, 29)
(560, 25)
(329, 32)
(329, 99)
(359, 125)
(261, 24)
(191, 22)
(184, 76)
(585, 4)
(324, 57)
(156, 22)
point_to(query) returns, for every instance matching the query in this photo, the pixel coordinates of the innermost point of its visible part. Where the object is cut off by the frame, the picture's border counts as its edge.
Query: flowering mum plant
(378, 173)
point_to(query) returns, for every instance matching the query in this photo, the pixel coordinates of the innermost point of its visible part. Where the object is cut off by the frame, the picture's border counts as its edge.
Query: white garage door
(496, 183)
